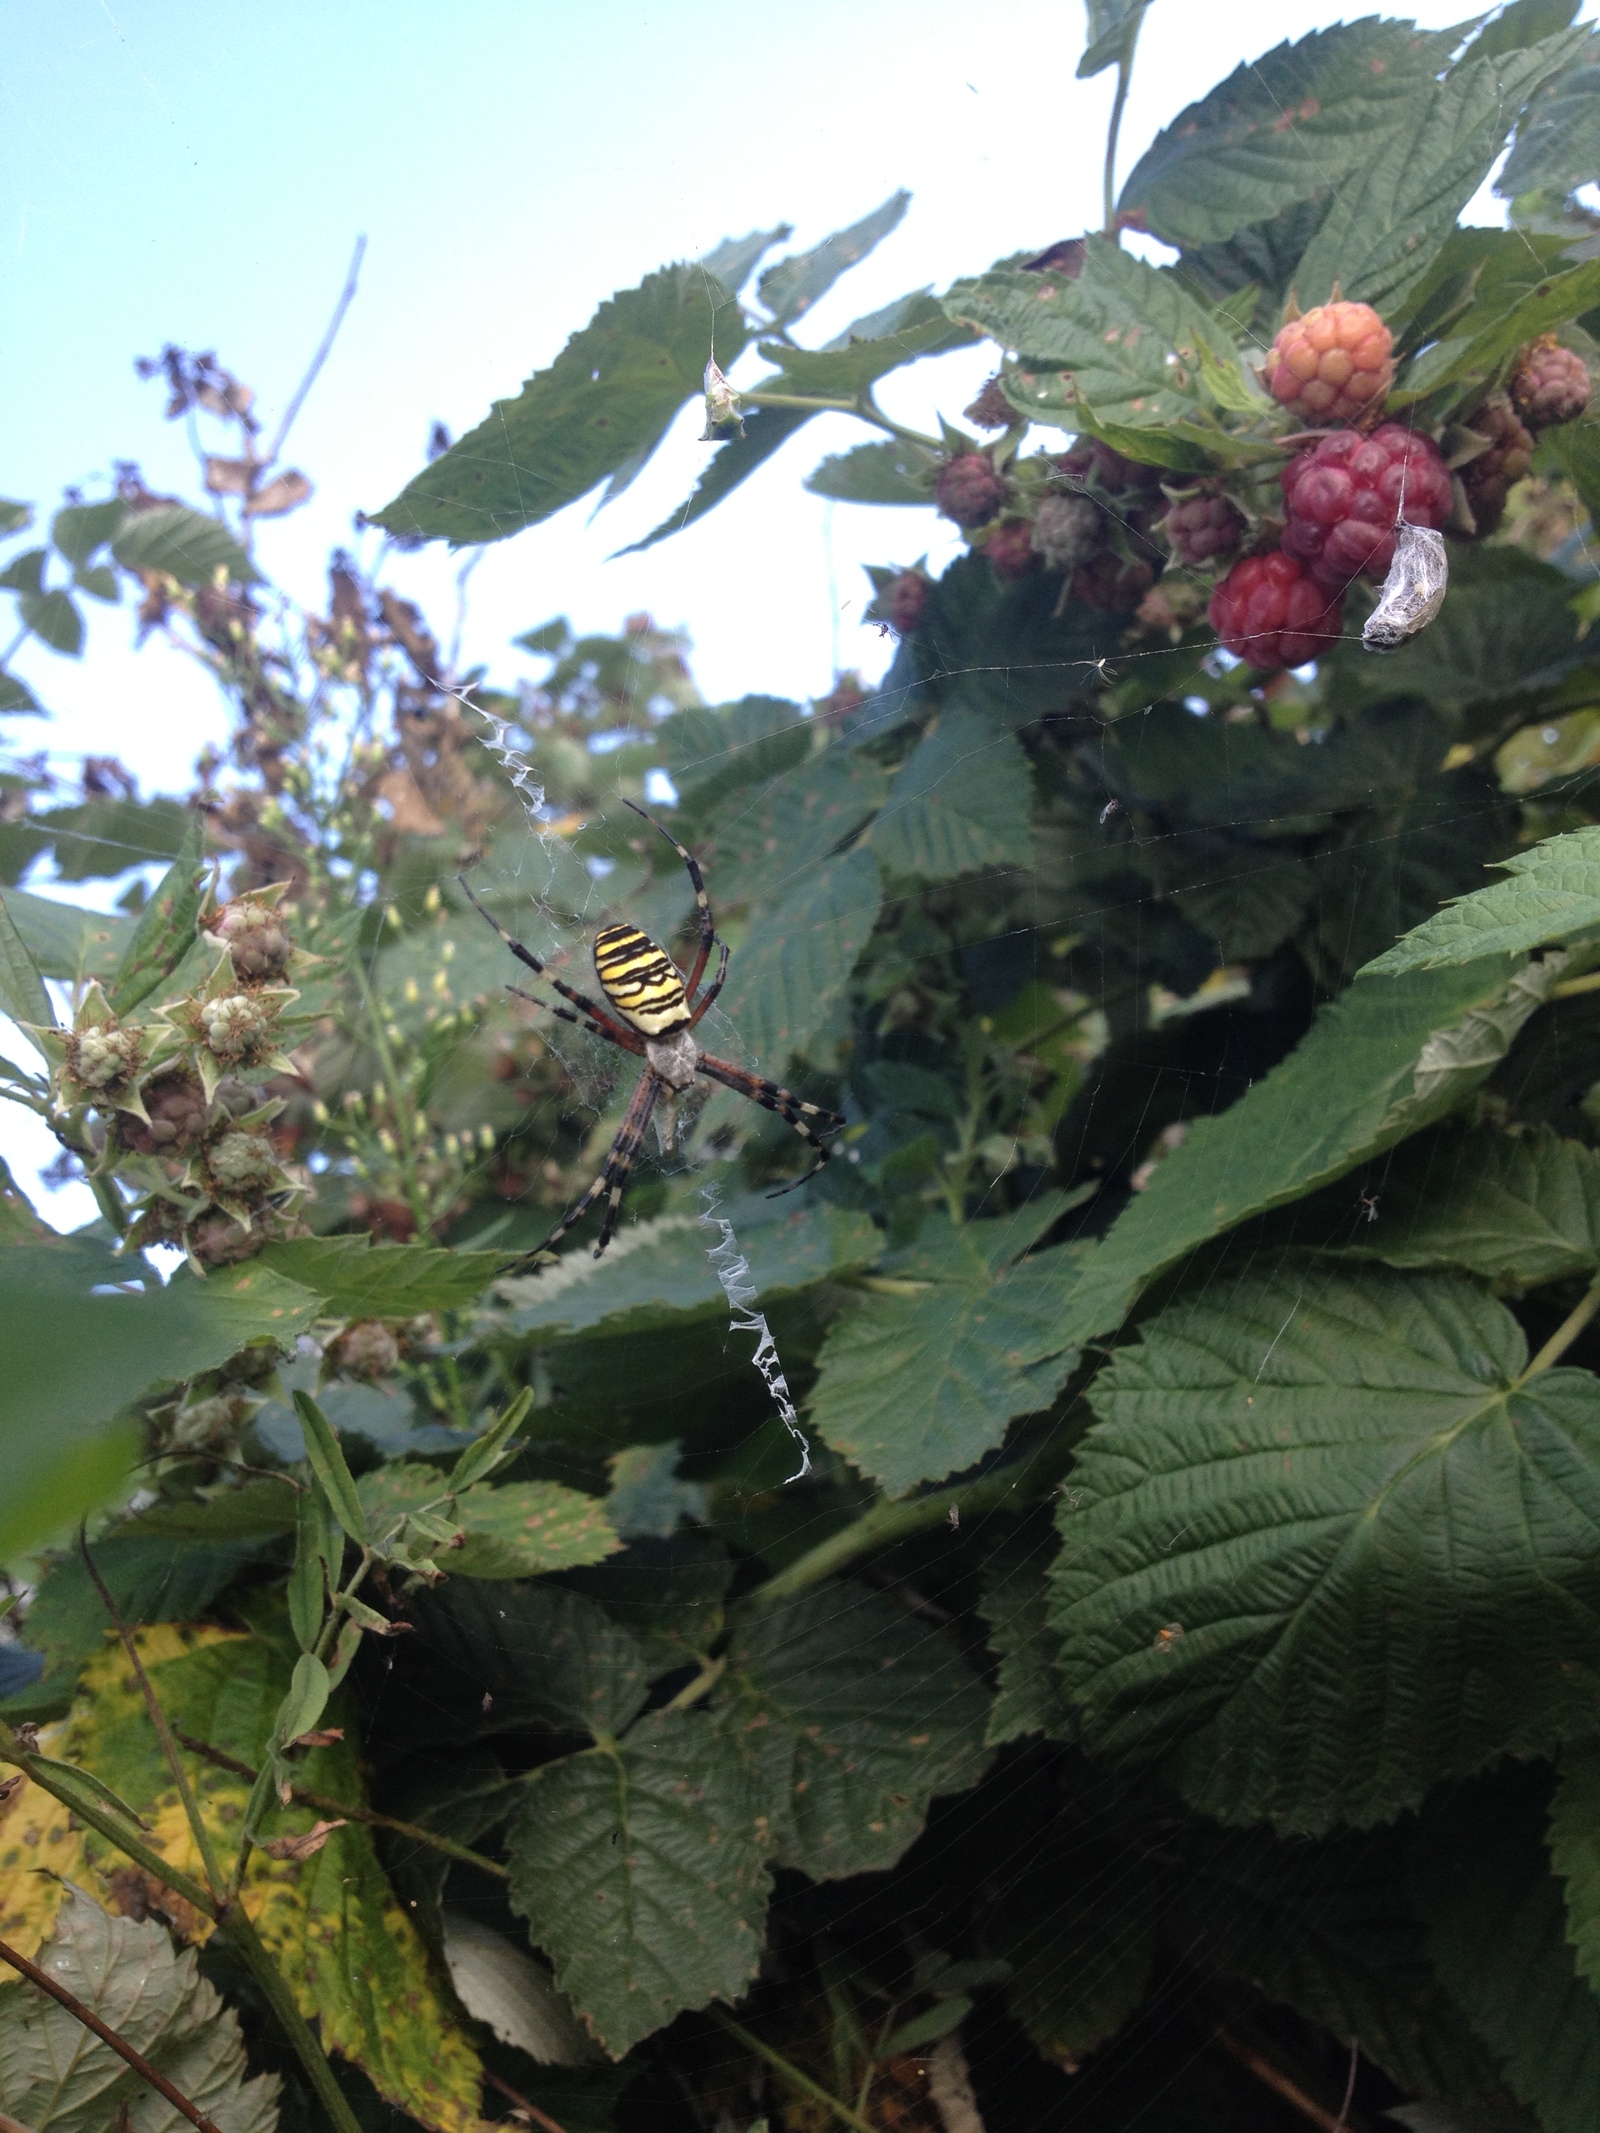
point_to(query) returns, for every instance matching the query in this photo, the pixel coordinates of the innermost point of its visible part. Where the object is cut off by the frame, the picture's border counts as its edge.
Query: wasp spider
(656, 1012)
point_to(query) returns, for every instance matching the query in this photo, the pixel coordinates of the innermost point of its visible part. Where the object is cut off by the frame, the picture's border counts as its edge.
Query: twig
(1269, 2075)
(1350, 2085)
(158, 1718)
(326, 1803)
(786, 2068)
(324, 350)
(540, 2118)
(1565, 1334)
(107, 2035)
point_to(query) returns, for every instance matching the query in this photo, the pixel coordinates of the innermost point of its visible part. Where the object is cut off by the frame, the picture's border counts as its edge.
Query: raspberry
(1096, 463)
(991, 410)
(366, 1349)
(1010, 549)
(1202, 528)
(261, 943)
(1333, 364)
(1489, 478)
(904, 601)
(969, 490)
(1272, 612)
(1109, 582)
(178, 1112)
(1549, 384)
(1067, 530)
(1345, 494)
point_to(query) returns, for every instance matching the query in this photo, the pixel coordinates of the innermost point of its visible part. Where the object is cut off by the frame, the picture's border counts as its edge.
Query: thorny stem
(107, 2035)
(1009, 1487)
(789, 2072)
(158, 1719)
(1566, 1333)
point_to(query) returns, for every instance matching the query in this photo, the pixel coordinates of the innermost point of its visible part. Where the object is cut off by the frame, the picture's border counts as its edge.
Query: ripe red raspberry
(1345, 493)
(969, 490)
(1202, 528)
(1549, 384)
(904, 601)
(1270, 611)
(1010, 548)
(1489, 478)
(1333, 364)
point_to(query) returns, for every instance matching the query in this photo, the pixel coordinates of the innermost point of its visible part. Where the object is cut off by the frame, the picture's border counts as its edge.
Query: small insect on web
(653, 1012)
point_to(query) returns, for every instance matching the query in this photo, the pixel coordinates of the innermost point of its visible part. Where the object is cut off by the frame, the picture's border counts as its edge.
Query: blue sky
(199, 174)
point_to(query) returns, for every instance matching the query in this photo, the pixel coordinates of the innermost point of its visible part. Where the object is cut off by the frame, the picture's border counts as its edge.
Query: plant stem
(9, 2124)
(1269, 2075)
(391, 1081)
(1566, 1333)
(107, 2035)
(790, 2072)
(1009, 1487)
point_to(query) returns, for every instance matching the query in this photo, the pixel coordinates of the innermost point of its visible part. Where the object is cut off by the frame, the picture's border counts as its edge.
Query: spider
(656, 1011)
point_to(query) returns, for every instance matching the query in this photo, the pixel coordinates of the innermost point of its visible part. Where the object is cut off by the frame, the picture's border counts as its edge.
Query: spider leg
(613, 1032)
(792, 1109)
(713, 988)
(527, 957)
(708, 927)
(614, 1174)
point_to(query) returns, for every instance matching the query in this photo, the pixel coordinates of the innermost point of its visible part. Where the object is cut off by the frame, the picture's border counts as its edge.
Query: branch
(1269, 2075)
(324, 350)
(107, 2035)
(788, 2071)
(540, 2118)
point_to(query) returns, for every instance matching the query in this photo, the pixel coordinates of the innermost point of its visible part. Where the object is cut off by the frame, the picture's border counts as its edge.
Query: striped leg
(708, 928)
(792, 1109)
(614, 1174)
(609, 1030)
(527, 956)
(716, 985)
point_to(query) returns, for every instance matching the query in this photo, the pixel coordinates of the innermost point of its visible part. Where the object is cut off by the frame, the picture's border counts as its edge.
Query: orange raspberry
(1333, 364)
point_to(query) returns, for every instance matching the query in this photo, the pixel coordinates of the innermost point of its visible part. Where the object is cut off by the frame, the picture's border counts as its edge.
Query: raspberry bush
(1164, 1695)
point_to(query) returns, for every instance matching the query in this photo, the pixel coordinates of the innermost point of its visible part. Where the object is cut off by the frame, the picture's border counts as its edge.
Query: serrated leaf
(1553, 895)
(1133, 336)
(54, 619)
(610, 395)
(902, 332)
(911, 1387)
(797, 956)
(1323, 1549)
(1506, 627)
(1574, 1839)
(1497, 1935)
(167, 925)
(1383, 1061)
(546, 1656)
(766, 844)
(766, 429)
(853, 1717)
(734, 260)
(640, 1871)
(79, 529)
(515, 1531)
(959, 805)
(66, 942)
(127, 1973)
(1393, 212)
(1519, 1209)
(150, 1580)
(900, 472)
(190, 546)
(358, 1280)
(790, 288)
(1557, 148)
(102, 837)
(709, 751)
(1573, 449)
(1479, 343)
(22, 993)
(1029, 1696)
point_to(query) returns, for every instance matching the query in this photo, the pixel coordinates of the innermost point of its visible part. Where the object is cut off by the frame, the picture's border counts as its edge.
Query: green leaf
(1393, 212)
(79, 529)
(66, 942)
(911, 327)
(517, 1531)
(305, 1700)
(914, 1386)
(1478, 344)
(547, 1657)
(767, 843)
(734, 260)
(318, 1561)
(797, 956)
(1573, 449)
(328, 1464)
(1132, 335)
(128, 1973)
(190, 546)
(610, 395)
(150, 1580)
(640, 1873)
(22, 993)
(25, 573)
(959, 805)
(167, 925)
(1553, 895)
(1557, 148)
(765, 430)
(16, 696)
(54, 619)
(75, 1358)
(1029, 1696)
(1575, 1853)
(709, 752)
(1519, 1209)
(104, 837)
(1299, 121)
(900, 472)
(13, 516)
(1386, 1059)
(790, 288)
(1113, 28)
(1497, 1934)
(483, 1456)
(1323, 1549)
(854, 1716)
(358, 1280)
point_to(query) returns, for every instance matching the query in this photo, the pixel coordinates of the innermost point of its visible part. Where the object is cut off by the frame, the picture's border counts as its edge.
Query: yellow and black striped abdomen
(640, 980)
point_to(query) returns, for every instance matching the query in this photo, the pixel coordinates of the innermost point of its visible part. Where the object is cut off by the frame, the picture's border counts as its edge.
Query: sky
(200, 175)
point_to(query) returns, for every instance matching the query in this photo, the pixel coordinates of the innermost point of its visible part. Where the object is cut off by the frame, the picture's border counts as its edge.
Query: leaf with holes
(1323, 1549)
(959, 805)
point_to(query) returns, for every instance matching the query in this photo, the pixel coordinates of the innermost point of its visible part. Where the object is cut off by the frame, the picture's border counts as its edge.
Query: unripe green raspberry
(234, 1025)
(244, 1163)
(104, 1058)
(260, 941)
(365, 1350)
